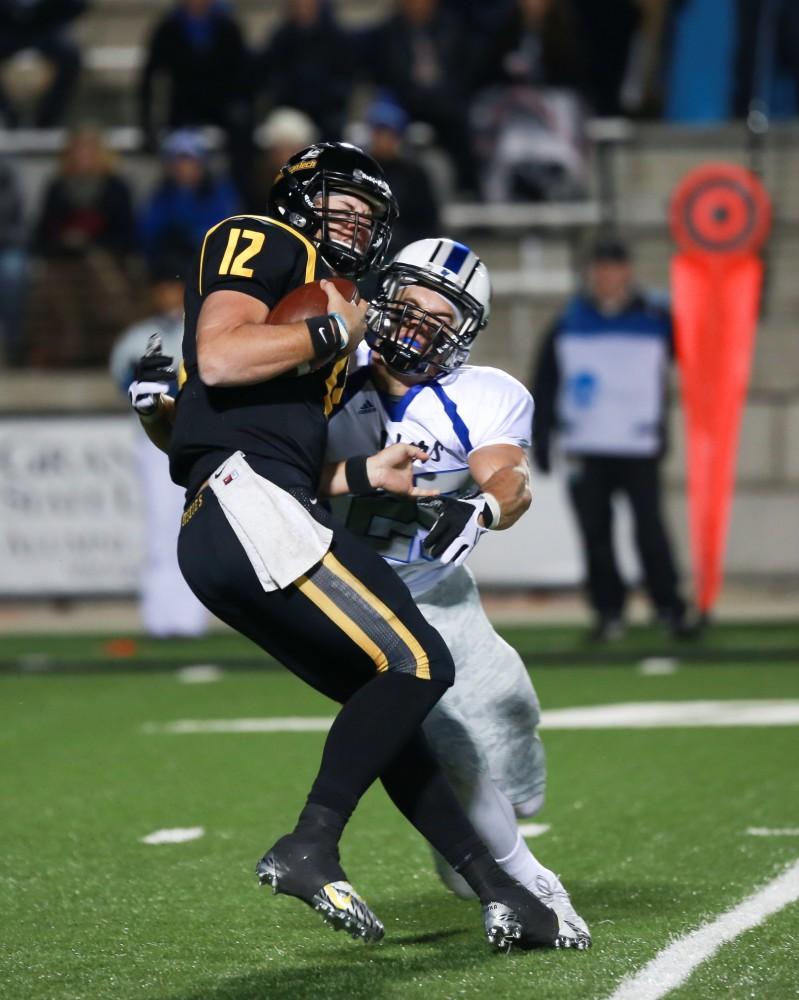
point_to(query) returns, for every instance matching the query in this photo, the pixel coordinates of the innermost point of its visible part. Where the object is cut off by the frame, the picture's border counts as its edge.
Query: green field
(648, 829)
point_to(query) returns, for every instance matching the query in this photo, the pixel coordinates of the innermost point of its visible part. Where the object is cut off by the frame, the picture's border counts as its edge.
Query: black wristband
(325, 336)
(357, 476)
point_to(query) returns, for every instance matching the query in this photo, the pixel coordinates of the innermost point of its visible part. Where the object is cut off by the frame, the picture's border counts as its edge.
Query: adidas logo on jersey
(367, 406)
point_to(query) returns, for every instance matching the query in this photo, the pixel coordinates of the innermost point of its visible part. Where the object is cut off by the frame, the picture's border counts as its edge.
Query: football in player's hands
(310, 300)
(307, 301)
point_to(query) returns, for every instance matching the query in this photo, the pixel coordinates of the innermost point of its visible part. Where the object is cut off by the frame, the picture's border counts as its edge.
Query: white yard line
(200, 673)
(658, 666)
(280, 724)
(534, 829)
(174, 835)
(629, 715)
(674, 964)
(675, 714)
(765, 831)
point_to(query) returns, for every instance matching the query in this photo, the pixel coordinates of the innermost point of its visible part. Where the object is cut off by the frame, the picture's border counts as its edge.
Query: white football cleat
(573, 931)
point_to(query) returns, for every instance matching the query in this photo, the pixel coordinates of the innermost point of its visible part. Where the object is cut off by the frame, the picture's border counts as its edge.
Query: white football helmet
(407, 336)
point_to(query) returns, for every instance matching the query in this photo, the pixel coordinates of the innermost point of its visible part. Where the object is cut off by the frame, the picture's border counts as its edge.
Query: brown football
(309, 300)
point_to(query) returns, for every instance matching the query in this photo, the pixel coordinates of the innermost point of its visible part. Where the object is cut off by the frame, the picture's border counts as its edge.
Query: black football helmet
(300, 193)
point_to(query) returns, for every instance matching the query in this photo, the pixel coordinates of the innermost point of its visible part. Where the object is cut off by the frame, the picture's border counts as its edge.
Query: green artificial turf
(648, 831)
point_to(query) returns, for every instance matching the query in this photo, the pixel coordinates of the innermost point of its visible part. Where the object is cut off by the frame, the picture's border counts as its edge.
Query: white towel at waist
(281, 539)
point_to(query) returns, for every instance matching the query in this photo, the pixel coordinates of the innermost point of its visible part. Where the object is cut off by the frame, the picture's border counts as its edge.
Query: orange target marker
(720, 216)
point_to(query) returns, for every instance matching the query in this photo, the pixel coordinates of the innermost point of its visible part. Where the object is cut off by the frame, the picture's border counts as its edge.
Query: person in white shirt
(166, 605)
(411, 385)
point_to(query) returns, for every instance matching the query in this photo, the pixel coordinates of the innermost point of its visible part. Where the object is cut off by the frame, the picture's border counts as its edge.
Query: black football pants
(592, 484)
(350, 629)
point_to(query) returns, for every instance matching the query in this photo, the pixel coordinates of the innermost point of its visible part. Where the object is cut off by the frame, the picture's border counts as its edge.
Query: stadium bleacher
(533, 251)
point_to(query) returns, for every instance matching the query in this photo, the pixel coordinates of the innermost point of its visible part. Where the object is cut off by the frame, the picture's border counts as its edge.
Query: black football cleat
(516, 917)
(313, 874)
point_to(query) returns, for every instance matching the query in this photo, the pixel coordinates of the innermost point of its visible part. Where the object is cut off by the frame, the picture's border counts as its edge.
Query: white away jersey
(449, 418)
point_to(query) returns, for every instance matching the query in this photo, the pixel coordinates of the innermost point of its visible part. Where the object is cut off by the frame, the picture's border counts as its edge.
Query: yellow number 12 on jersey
(256, 241)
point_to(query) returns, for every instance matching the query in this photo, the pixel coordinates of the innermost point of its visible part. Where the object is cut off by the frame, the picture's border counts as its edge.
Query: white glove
(457, 529)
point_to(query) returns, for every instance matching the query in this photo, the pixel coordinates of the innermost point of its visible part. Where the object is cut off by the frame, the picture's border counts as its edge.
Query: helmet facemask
(413, 340)
(350, 241)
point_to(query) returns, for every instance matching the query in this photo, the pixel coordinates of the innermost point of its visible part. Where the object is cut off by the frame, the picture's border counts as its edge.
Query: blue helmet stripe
(457, 256)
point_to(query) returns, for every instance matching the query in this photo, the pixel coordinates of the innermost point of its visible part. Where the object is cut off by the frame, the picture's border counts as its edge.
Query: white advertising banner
(543, 548)
(70, 509)
(71, 516)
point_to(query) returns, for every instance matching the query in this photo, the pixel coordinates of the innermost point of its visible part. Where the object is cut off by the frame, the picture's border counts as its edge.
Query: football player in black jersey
(247, 442)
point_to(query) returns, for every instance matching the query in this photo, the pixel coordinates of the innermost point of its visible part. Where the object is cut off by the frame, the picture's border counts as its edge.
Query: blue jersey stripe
(451, 410)
(395, 408)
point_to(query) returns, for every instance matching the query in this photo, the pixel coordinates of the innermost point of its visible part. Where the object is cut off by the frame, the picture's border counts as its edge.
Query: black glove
(457, 529)
(152, 376)
(155, 367)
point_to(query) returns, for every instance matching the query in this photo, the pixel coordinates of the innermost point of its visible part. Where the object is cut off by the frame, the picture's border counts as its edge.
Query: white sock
(523, 865)
(494, 820)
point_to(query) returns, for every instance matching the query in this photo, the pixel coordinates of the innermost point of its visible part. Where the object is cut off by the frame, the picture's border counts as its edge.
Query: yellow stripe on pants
(418, 653)
(343, 621)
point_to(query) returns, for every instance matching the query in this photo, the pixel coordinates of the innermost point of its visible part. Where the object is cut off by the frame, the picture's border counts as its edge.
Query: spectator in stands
(753, 36)
(409, 181)
(282, 133)
(610, 28)
(188, 200)
(479, 16)
(41, 25)
(307, 63)
(13, 265)
(198, 49)
(166, 605)
(529, 120)
(84, 239)
(539, 43)
(600, 382)
(422, 54)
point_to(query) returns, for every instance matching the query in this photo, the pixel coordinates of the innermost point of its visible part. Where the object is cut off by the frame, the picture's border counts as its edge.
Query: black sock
(367, 734)
(319, 823)
(421, 791)
(479, 869)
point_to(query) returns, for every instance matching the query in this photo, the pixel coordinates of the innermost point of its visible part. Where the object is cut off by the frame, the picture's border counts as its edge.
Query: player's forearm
(333, 480)
(511, 488)
(389, 470)
(252, 352)
(158, 425)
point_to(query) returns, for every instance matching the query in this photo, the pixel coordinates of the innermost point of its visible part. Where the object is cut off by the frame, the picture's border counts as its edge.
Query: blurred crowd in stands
(502, 90)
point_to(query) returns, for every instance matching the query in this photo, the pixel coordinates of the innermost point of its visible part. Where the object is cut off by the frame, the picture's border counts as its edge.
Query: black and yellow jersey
(280, 424)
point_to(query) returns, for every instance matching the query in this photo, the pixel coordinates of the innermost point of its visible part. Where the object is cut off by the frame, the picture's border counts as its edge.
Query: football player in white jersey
(412, 386)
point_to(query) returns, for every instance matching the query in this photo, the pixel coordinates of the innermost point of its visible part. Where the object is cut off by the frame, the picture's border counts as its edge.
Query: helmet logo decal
(381, 185)
(302, 165)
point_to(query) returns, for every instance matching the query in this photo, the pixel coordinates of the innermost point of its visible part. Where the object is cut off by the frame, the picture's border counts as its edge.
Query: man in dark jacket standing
(198, 50)
(600, 382)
